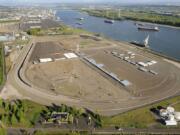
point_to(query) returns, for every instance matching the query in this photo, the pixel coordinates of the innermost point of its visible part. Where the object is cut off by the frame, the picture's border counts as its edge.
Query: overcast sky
(75, 1)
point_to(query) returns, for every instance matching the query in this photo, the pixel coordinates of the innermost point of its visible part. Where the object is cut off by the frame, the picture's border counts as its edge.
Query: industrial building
(100, 66)
(44, 60)
(170, 116)
(70, 55)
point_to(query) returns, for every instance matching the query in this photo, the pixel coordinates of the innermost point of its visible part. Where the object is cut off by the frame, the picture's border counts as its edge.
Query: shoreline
(146, 22)
(128, 42)
(158, 54)
(173, 62)
(150, 23)
(162, 55)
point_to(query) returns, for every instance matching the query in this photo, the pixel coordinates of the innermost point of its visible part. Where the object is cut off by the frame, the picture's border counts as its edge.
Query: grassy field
(26, 113)
(21, 42)
(3, 131)
(140, 118)
(65, 30)
(9, 21)
(19, 113)
(136, 15)
(62, 30)
(59, 133)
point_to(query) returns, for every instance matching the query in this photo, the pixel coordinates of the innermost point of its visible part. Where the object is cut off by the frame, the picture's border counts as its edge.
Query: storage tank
(170, 109)
(171, 117)
(163, 112)
(177, 116)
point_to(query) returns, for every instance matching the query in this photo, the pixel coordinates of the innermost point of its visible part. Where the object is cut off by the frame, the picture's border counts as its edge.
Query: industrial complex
(69, 71)
(112, 77)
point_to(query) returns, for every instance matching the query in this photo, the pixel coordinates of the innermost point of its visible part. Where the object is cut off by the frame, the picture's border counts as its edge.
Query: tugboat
(78, 23)
(148, 28)
(109, 21)
(144, 44)
(80, 18)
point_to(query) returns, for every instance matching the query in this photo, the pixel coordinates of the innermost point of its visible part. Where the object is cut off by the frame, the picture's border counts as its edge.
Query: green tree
(6, 106)
(34, 31)
(22, 118)
(5, 119)
(17, 114)
(70, 118)
(24, 107)
(63, 108)
(13, 119)
(1, 102)
(14, 108)
(2, 118)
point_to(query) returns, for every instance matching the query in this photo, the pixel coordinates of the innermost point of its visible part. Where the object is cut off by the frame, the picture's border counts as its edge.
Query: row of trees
(34, 31)
(73, 113)
(19, 113)
(63, 30)
(13, 113)
(1, 63)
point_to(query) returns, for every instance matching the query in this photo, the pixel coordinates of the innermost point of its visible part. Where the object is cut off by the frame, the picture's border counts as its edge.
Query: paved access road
(100, 131)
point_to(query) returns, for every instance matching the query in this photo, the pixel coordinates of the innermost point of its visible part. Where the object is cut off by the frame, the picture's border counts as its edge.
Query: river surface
(166, 41)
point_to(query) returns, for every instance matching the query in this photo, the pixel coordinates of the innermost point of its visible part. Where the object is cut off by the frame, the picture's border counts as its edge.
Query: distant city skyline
(89, 1)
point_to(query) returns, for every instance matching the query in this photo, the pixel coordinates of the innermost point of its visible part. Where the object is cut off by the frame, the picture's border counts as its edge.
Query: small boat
(138, 24)
(148, 28)
(137, 43)
(146, 41)
(58, 19)
(78, 23)
(109, 21)
(80, 18)
(144, 44)
(79, 27)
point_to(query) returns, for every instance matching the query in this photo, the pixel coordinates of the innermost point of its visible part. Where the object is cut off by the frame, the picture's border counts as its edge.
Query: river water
(166, 41)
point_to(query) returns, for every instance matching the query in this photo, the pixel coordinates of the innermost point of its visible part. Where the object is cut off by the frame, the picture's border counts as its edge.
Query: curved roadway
(17, 80)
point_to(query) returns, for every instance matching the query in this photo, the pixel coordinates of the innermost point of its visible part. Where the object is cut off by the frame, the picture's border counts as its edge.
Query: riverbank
(158, 54)
(136, 16)
(161, 55)
(144, 22)
(163, 25)
(127, 31)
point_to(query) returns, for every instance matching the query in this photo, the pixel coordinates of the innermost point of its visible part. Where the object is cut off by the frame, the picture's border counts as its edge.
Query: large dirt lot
(46, 23)
(70, 77)
(76, 78)
(47, 49)
(143, 83)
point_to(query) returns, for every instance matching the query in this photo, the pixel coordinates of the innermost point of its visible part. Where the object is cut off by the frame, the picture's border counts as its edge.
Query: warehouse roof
(70, 55)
